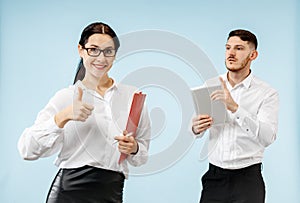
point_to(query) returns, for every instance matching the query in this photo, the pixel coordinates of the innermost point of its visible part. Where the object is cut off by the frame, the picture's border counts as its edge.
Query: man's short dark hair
(244, 35)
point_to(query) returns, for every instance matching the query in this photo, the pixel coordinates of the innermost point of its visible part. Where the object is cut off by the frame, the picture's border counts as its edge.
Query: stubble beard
(243, 65)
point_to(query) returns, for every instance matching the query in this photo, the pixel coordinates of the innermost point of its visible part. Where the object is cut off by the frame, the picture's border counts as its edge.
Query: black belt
(216, 169)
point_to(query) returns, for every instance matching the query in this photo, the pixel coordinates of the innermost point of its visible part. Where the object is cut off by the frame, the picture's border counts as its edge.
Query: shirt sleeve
(263, 126)
(143, 139)
(44, 137)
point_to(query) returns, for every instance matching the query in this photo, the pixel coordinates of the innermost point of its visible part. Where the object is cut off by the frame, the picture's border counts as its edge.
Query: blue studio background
(38, 56)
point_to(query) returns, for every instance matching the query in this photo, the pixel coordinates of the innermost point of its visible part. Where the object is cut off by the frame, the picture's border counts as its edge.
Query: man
(237, 146)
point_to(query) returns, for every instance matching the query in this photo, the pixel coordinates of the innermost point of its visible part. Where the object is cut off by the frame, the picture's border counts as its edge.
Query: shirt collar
(246, 82)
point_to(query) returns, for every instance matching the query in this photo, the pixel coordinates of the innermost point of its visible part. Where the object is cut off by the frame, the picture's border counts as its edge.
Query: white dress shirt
(90, 142)
(241, 141)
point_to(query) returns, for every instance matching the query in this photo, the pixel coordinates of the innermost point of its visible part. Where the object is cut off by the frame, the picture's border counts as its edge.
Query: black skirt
(86, 184)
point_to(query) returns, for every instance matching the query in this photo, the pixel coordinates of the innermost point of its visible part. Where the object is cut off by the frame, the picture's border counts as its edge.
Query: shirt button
(238, 117)
(247, 130)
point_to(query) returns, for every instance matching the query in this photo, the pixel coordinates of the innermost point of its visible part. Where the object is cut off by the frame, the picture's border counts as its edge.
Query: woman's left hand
(127, 144)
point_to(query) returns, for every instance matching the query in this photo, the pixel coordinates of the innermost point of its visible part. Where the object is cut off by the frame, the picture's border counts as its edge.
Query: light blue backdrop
(38, 55)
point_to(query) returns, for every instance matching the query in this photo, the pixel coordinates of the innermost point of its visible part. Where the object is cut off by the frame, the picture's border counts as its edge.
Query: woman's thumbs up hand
(78, 111)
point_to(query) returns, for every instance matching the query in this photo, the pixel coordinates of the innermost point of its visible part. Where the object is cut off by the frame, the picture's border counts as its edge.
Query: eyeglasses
(108, 52)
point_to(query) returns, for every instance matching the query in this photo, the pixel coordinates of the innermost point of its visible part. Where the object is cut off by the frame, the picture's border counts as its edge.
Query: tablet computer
(204, 105)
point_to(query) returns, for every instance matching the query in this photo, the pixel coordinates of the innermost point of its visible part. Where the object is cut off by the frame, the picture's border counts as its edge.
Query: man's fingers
(223, 83)
(203, 121)
(217, 95)
(199, 117)
(203, 116)
(202, 125)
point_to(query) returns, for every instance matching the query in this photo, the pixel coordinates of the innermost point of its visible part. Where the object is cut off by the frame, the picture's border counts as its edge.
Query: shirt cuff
(140, 157)
(239, 116)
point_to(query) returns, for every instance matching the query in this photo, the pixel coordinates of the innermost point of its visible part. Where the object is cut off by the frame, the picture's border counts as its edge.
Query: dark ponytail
(80, 72)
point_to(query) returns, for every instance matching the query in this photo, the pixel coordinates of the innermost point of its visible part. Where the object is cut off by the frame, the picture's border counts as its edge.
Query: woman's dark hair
(94, 28)
(244, 35)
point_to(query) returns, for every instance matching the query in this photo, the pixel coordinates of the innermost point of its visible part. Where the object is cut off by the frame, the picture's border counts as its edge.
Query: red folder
(134, 117)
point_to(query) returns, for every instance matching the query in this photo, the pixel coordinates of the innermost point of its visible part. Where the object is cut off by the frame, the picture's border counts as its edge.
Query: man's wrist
(235, 108)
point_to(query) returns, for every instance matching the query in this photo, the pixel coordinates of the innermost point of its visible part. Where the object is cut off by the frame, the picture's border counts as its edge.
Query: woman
(83, 121)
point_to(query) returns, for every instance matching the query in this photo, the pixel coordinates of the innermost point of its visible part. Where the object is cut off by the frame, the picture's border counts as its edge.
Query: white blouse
(90, 142)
